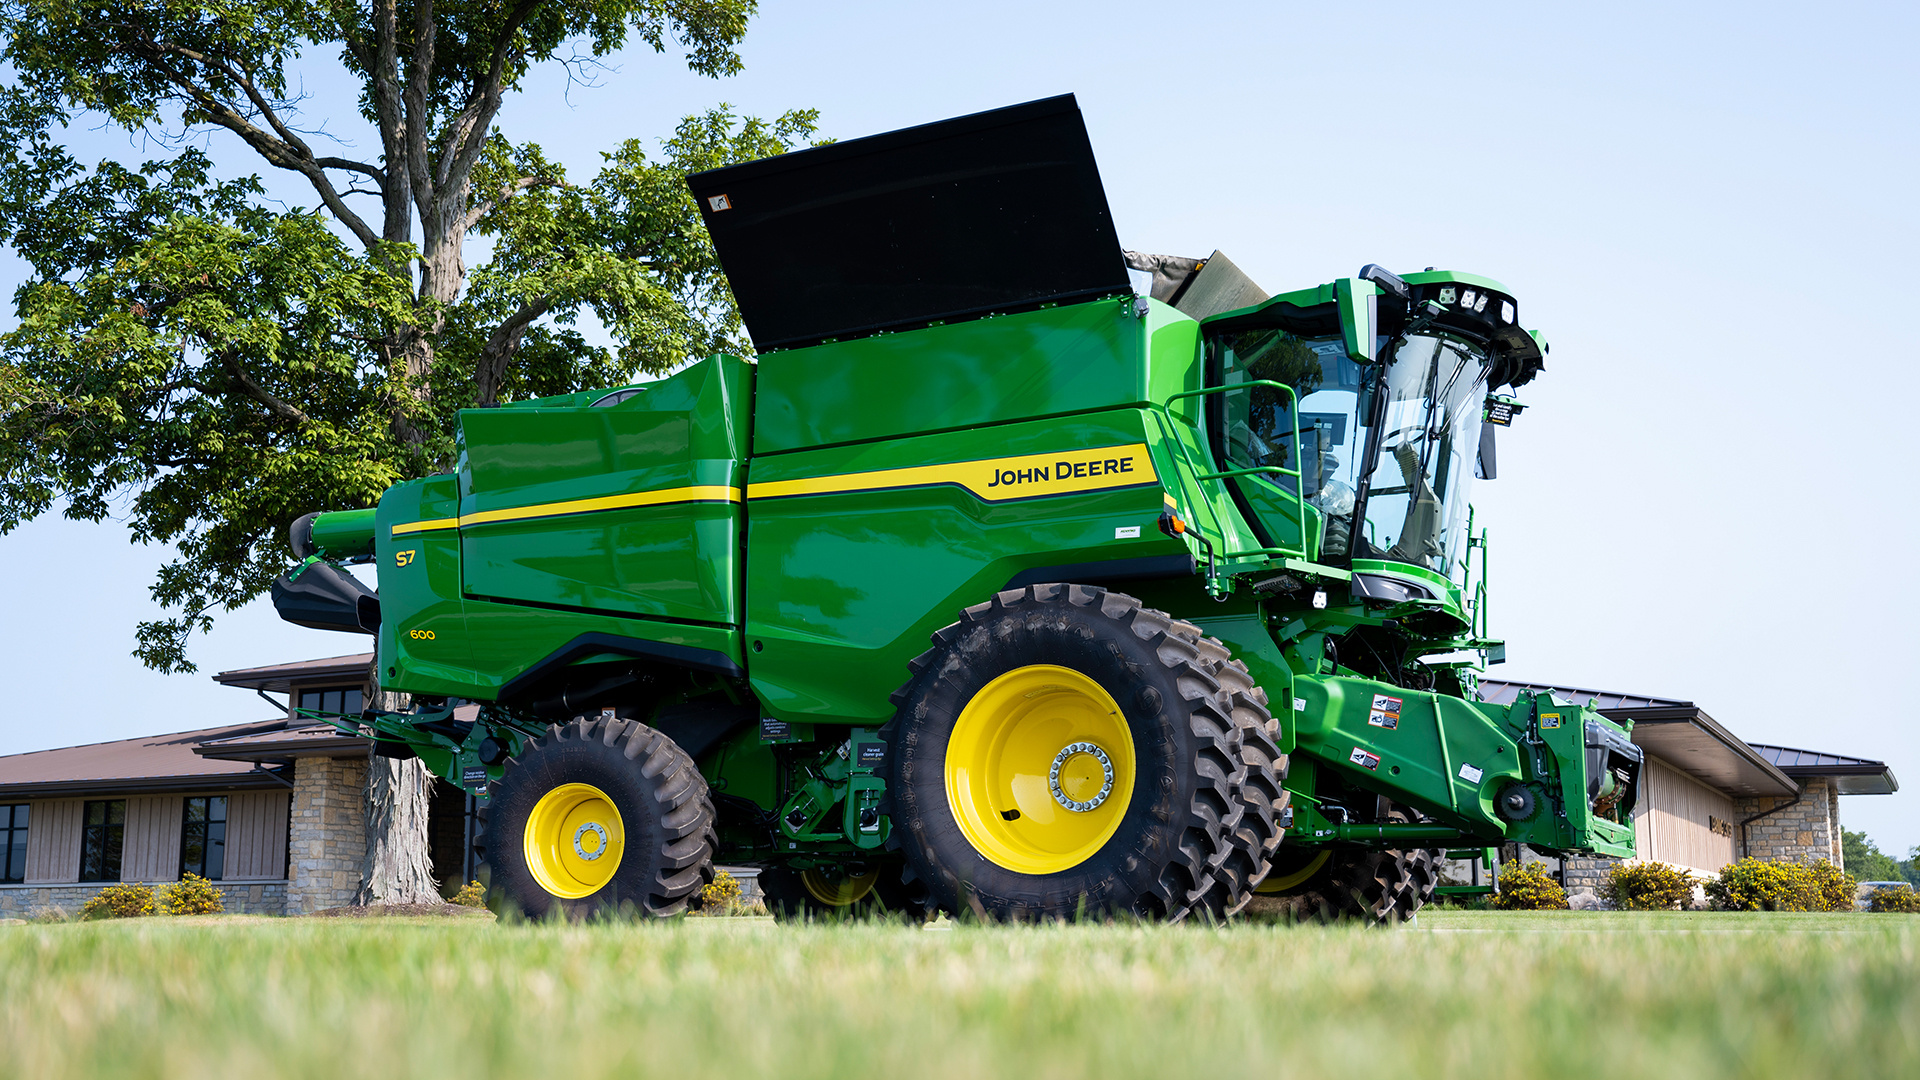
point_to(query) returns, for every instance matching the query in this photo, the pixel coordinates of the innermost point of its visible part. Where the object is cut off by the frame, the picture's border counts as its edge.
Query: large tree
(213, 363)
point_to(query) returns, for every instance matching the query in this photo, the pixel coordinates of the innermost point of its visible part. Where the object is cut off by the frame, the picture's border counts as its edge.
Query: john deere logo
(1061, 470)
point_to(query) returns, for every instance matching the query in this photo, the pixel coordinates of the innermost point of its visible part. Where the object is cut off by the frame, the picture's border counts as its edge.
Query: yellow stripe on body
(424, 526)
(992, 479)
(697, 493)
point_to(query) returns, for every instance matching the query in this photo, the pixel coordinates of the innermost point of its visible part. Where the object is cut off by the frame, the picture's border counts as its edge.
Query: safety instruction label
(1549, 721)
(1385, 712)
(1470, 774)
(1363, 759)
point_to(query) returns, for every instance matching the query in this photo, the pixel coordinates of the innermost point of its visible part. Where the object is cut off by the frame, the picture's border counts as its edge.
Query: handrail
(1214, 586)
(1476, 590)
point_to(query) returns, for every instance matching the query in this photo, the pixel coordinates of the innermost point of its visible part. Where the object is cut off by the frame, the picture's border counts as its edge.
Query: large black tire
(790, 896)
(665, 811)
(1183, 847)
(1262, 791)
(1376, 886)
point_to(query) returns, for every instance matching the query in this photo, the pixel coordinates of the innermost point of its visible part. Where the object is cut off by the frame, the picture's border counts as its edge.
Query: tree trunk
(399, 865)
(399, 862)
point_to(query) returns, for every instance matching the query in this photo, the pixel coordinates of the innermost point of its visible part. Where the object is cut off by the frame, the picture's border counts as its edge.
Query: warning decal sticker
(1470, 774)
(1363, 759)
(1549, 721)
(1385, 712)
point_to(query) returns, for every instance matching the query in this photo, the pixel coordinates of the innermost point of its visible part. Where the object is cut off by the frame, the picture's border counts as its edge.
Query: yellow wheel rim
(1274, 883)
(574, 840)
(1040, 769)
(838, 891)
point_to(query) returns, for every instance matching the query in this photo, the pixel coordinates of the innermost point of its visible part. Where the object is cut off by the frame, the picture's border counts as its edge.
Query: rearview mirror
(1359, 317)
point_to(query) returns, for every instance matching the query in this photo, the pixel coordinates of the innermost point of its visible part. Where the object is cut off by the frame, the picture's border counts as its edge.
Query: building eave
(142, 785)
(1686, 738)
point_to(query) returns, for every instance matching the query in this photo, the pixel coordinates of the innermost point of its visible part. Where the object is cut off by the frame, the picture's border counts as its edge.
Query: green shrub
(720, 895)
(1900, 899)
(192, 895)
(1647, 886)
(1526, 887)
(1752, 885)
(1836, 888)
(472, 894)
(120, 902)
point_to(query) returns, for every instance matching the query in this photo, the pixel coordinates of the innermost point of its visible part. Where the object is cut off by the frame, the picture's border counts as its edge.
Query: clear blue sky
(1709, 211)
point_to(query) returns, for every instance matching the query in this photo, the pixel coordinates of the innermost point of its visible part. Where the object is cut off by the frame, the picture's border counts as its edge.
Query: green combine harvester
(989, 584)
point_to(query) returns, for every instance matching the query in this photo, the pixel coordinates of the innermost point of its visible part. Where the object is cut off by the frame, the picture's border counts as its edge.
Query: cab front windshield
(1422, 451)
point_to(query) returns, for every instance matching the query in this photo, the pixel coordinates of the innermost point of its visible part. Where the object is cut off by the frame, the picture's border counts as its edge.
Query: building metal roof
(1502, 692)
(283, 677)
(1681, 734)
(152, 763)
(1851, 775)
(1686, 738)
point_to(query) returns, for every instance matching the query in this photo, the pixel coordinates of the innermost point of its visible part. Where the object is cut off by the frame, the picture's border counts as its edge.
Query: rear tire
(593, 790)
(1378, 886)
(995, 822)
(827, 895)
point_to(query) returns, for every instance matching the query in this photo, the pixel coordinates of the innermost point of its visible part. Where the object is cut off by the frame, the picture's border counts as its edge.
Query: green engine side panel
(629, 509)
(857, 553)
(1051, 362)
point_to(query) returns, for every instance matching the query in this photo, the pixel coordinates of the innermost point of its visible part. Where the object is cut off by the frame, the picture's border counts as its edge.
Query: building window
(203, 842)
(100, 836)
(13, 843)
(333, 699)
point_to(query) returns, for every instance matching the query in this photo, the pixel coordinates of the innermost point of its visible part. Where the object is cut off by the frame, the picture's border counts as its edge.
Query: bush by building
(1902, 900)
(1526, 887)
(1835, 887)
(1753, 885)
(192, 895)
(121, 902)
(1647, 886)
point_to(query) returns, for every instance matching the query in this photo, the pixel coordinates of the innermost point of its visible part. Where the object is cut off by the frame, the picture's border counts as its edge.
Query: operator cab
(1388, 443)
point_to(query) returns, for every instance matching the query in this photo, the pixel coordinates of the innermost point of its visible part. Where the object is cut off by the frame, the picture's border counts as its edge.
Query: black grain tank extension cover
(992, 212)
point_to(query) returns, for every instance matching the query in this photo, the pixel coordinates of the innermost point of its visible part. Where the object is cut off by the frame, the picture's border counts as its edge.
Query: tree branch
(277, 151)
(230, 359)
(491, 371)
(414, 97)
(466, 136)
(384, 69)
(507, 191)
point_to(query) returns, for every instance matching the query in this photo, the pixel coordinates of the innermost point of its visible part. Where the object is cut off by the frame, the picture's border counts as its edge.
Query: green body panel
(1051, 362)
(844, 587)
(527, 546)
(423, 640)
(1420, 756)
(682, 439)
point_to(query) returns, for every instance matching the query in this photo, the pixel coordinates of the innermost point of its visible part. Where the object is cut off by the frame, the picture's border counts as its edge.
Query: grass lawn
(1462, 994)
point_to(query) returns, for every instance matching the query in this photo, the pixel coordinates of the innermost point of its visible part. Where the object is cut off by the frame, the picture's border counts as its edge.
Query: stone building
(1707, 798)
(272, 812)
